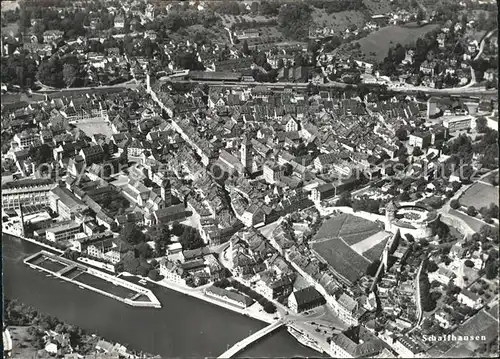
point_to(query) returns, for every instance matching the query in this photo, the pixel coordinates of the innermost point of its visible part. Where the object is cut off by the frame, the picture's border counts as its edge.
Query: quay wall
(198, 293)
(154, 302)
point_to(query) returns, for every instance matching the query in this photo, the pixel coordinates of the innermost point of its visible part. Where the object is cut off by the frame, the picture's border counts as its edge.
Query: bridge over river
(235, 349)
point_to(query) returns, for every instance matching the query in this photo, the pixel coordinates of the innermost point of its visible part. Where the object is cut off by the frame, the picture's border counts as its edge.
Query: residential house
(472, 300)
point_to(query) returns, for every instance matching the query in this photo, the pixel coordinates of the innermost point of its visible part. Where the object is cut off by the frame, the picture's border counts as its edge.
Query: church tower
(246, 154)
(166, 192)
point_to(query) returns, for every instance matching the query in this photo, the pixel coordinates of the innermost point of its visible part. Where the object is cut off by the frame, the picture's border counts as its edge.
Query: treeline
(182, 18)
(294, 21)
(19, 314)
(427, 301)
(268, 306)
(332, 6)
(244, 24)
(19, 70)
(230, 7)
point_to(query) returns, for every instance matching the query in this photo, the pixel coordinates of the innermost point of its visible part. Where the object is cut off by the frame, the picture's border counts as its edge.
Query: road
(132, 84)
(481, 46)
(230, 34)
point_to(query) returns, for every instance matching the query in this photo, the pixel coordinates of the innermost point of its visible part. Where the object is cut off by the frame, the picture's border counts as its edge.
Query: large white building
(27, 192)
(63, 232)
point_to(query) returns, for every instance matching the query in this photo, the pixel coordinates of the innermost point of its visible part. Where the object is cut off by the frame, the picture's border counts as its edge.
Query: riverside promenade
(199, 293)
(31, 240)
(94, 279)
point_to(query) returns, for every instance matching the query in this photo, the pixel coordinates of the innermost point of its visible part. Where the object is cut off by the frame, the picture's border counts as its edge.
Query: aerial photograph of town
(249, 179)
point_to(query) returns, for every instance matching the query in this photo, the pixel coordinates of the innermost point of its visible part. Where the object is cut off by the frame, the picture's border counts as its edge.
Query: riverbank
(184, 327)
(35, 262)
(34, 241)
(253, 311)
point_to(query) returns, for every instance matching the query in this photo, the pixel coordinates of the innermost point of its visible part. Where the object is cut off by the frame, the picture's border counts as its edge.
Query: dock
(92, 279)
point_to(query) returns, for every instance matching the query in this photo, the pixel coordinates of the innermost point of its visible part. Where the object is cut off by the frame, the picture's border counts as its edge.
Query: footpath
(199, 293)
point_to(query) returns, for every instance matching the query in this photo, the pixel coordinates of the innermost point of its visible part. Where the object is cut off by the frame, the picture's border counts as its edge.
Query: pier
(235, 349)
(93, 279)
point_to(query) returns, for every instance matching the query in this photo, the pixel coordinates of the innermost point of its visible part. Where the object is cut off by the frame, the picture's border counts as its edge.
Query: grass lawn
(339, 21)
(479, 195)
(380, 41)
(473, 223)
(377, 7)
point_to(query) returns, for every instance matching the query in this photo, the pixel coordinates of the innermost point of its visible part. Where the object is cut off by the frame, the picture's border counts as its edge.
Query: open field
(479, 195)
(377, 7)
(339, 21)
(380, 41)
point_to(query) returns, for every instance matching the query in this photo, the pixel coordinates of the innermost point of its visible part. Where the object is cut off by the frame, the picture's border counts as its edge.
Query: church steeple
(246, 153)
(166, 192)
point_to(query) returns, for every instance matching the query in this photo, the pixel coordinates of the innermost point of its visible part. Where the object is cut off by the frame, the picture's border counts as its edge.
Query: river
(184, 327)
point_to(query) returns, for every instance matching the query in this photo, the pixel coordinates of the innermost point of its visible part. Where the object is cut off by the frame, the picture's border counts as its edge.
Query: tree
(143, 270)
(417, 151)
(481, 124)
(294, 20)
(491, 269)
(69, 74)
(144, 250)
(469, 263)
(245, 49)
(154, 275)
(435, 296)
(404, 196)
(50, 73)
(131, 234)
(432, 267)
(455, 204)
(344, 200)
(471, 211)
(260, 58)
(41, 154)
(401, 134)
(493, 210)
